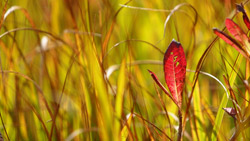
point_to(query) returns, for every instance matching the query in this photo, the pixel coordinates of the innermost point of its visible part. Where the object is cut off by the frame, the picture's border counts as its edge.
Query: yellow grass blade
(121, 84)
(198, 113)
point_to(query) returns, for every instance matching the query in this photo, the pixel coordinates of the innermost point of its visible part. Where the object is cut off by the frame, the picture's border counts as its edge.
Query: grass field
(78, 70)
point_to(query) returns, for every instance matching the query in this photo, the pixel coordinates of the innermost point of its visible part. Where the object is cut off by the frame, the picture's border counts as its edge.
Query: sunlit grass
(78, 70)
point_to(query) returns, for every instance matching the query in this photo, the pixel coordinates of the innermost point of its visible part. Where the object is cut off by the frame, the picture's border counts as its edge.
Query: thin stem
(4, 127)
(180, 125)
(241, 127)
(235, 135)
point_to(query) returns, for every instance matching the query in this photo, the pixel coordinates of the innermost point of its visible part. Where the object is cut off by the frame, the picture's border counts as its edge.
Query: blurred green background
(77, 69)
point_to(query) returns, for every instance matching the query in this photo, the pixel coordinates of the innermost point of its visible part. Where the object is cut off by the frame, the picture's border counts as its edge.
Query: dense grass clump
(78, 70)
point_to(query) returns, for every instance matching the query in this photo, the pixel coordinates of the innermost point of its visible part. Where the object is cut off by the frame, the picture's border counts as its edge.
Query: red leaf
(240, 8)
(160, 85)
(175, 70)
(236, 31)
(230, 41)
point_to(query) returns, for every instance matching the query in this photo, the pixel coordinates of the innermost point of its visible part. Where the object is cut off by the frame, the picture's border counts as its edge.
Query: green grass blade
(124, 132)
(198, 113)
(220, 113)
(104, 114)
(219, 117)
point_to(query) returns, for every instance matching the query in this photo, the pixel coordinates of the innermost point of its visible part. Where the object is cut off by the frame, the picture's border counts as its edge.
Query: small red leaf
(160, 85)
(240, 8)
(236, 31)
(230, 111)
(175, 70)
(230, 41)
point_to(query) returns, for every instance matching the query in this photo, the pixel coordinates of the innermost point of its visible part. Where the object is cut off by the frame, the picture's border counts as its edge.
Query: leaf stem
(180, 125)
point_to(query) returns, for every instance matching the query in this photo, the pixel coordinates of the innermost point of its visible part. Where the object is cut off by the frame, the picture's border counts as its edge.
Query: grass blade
(198, 113)
(121, 84)
(220, 113)
(124, 131)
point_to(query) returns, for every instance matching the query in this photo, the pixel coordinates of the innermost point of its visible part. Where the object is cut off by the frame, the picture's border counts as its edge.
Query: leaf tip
(240, 8)
(150, 71)
(174, 41)
(215, 29)
(230, 111)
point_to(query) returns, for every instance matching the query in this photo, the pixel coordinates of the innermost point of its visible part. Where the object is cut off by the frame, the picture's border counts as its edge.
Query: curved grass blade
(175, 70)
(230, 41)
